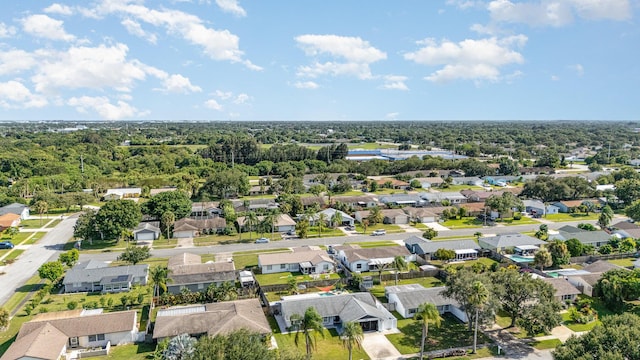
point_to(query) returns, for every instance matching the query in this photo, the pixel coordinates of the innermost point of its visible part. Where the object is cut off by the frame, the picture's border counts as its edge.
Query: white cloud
(43, 26)
(392, 116)
(134, 28)
(179, 84)
(224, 95)
(469, 59)
(103, 106)
(59, 9)
(89, 67)
(217, 44)
(555, 78)
(231, 6)
(578, 68)
(213, 104)
(395, 82)
(356, 55)
(465, 4)
(14, 94)
(241, 99)
(15, 61)
(558, 12)
(306, 85)
(6, 31)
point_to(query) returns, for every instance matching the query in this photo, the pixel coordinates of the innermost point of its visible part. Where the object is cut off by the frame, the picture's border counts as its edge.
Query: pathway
(377, 346)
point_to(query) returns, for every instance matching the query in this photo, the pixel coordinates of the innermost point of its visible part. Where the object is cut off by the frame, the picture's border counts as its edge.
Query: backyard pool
(520, 259)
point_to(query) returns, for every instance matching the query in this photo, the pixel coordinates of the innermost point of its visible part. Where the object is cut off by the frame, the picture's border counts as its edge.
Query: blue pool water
(520, 259)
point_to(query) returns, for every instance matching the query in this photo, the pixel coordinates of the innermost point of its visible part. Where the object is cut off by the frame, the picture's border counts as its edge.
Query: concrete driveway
(377, 346)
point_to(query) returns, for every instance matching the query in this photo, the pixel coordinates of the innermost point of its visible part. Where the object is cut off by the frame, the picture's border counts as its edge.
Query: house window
(283, 266)
(268, 267)
(327, 320)
(200, 286)
(325, 267)
(98, 337)
(567, 297)
(412, 311)
(359, 266)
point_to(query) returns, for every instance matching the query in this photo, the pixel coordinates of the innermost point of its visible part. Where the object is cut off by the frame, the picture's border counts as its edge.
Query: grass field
(390, 228)
(546, 344)
(560, 217)
(626, 262)
(371, 146)
(486, 261)
(141, 351)
(249, 259)
(566, 321)
(283, 277)
(13, 255)
(34, 239)
(371, 244)
(378, 290)
(458, 188)
(464, 223)
(17, 238)
(328, 347)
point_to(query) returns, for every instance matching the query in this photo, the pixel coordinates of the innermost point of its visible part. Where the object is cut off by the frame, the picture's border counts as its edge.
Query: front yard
(283, 277)
(463, 223)
(451, 334)
(390, 228)
(327, 347)
(487, 262)
(560, 217)
(428, 282)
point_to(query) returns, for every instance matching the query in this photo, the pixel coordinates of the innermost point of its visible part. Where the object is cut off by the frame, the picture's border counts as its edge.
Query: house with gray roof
(361, 201)
(586, 278)
(403, 200)
(306, 260)
(213, 319)
(439, 197)
(16, 208)
(336, 310)
(626, 229)
(407, 299)
(499, 243)
(538, 207)
(564, 290)
(146, 231)
(187, 271)
(595, 238)
(372, 259)
(389, 216)
(465, 249)
(328, 214)
(97, 276)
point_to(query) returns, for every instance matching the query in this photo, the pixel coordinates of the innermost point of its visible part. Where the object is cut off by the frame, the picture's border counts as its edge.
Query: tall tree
(177, 202)
(375, 216)
(159, 276)
(321, 221)
(504, 203)
(51, 271)
(542, 259)
(605, 218)
(115, 216)
(559, 252)
(399, 264)
(70, 257)
(251, 221)
(478, 298)
(135, 254)
(167, 220)
(426, 313)
(336, 219)
(352, 335)
(307, 326)
(41, 207)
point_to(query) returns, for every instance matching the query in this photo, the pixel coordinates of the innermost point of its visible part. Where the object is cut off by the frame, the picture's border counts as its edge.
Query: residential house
(94, 276)
(205, 210)
(122, 193)
(500, 243)
(146, 231)
(537, 207)
(389, 216)
(440, 197)
(186, 271)
(403, 200)
(479, 196)
(309, 201)
(587, 278)
(372, 259)
(328, 214)
(259, 190)
(538, 170)
(213, 319)
(474, 208)
(408, 298)
(187, 227)
(464, 249)
(9, 220)
(306, 260)
(565, 291)
(66, 334)
(430, 182)
(421, 215)
(16, 208)
(336, 310)
(595, 238)
(568, 206)
(282, 223)
(153, 192)
(626, 229)
(255, 204)
(467, 180)
(362, 201)
(392, 183)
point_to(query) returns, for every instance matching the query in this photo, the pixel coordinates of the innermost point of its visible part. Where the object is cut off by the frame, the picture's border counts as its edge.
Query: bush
(517, 216)
(71, 305)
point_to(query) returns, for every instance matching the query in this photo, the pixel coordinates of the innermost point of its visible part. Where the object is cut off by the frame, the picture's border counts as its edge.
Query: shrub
(517, 216)
(71, 305)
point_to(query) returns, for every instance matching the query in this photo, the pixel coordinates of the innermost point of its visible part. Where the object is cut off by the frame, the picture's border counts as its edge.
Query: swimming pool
(520, 259)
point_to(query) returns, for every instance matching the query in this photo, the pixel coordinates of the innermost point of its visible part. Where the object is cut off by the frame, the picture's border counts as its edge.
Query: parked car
(6, 245)
(379, 232)
(291, 232)
(349, 228)
(262, 241)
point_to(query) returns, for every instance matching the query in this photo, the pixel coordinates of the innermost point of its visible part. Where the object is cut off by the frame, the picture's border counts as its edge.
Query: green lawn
(420, 226)
(165, 244)
(33, 284)
(283, 277)
(53, 224)
(249, 259)
(372, 146)
(571, 217)
(451, 334)
(510, 221)
(150, 261)
(566, 320)
(13, 255)
(378, 290)
(464, 223)
(34, 239)
(387, 191)
(255, 197)
(503, 319)
(233, 239)
(104, 245)
(371, 244)
(626, 262)
(33, 223)
(18, 238)
(326, 232)
(546, 344)
(328, 347)
(458, 188)
(390, 228)
(486, 261)
(141, 351)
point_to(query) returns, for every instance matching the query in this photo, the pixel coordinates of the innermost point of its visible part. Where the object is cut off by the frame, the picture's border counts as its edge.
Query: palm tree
(477, 298)
(311, 321)
(160, 277)
(251, 220)
(427, 313)
(41, 207)
(352, 335)
(336, 219)
(375, 216)
(168, 219)
(477, 235)
(270, 220)
(400, 264)
(223, 292)
(322, 220)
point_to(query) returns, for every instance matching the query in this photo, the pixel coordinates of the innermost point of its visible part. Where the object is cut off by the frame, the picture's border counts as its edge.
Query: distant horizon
(239, 60)
(309, 120)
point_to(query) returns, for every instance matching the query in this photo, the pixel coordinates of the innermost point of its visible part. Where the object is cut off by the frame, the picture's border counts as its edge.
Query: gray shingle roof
(585, 237)
(90, 271)
(600, 266)
(14, 208)
(510, 240)
(562, 286)
(413, 296)
(429, 247)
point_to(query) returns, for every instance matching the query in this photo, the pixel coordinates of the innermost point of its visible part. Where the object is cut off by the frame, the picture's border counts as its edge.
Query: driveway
(437, 227)
(377, 346)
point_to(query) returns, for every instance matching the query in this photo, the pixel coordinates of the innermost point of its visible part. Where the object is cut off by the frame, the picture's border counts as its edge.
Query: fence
(95, 352)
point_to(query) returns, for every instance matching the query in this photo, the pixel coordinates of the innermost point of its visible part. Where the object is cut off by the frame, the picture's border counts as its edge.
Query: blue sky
(319, 60)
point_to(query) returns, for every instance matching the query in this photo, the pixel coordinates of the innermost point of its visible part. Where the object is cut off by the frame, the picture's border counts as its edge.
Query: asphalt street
(46, 249)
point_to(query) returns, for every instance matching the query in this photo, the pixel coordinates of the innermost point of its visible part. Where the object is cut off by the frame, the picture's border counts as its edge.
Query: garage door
(183, 234)
(145, 236)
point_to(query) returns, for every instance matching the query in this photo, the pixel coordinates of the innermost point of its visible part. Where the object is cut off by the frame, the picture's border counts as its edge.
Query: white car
(379, 232)
(262, 241)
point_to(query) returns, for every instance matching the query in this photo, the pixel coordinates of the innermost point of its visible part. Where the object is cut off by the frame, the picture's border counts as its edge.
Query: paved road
(28, 263)
(230, 248)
